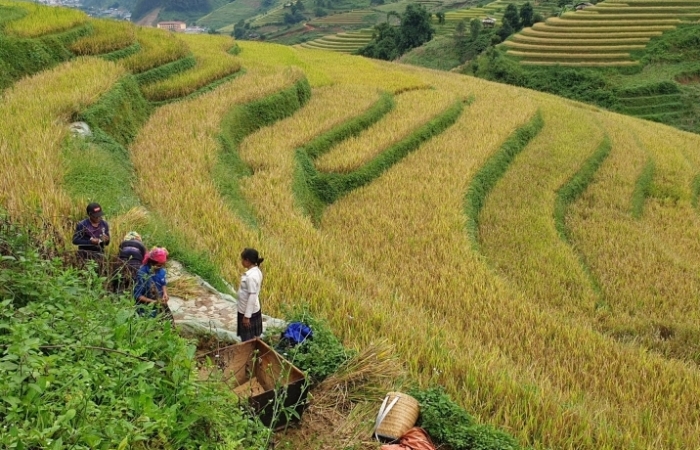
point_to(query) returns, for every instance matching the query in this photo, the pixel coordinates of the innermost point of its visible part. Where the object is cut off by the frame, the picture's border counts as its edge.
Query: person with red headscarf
(151, 285)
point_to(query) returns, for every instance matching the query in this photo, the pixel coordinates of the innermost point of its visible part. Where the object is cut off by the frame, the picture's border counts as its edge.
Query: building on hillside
(178, 27)
(488, 22)
(582, 5)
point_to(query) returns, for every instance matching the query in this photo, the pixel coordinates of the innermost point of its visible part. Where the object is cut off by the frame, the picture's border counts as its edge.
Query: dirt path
(149, 19)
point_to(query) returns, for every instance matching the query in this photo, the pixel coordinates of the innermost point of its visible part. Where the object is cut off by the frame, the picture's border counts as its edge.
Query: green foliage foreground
(78, 369)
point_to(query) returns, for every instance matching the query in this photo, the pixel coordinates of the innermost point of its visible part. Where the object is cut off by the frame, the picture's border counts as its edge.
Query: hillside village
(502, 252)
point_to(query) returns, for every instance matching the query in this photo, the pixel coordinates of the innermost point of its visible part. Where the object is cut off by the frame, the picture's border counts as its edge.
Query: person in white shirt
(249, 323)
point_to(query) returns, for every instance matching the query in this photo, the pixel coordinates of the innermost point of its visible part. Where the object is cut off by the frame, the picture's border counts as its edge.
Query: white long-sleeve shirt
(249, 291)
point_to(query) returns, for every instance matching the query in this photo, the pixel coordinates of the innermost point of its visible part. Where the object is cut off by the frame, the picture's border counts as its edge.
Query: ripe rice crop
(585, 27)
(107, 36)
(353, 17)
(653, 16)
(412, 110)
(158, 47)
(567, 56)
(213, 62)
(403, 222)
(349, 40)
(587, 344)
(651, 3)
(35, 116)
(558, 33)
(603, 41)
(321, 43)
(573, 48)
(678, 10)
(41, 20)
(365, 72)
(314, 46)
(659, 248)
(651, 23)
(580, 63)
(181, 191)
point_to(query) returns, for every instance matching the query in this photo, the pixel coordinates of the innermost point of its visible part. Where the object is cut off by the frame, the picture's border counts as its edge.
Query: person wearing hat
(131, 254)
(92, 234)
(249, 318)
(151, 284)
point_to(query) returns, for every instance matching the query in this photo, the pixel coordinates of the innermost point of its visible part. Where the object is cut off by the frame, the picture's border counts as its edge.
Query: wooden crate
(269, 382)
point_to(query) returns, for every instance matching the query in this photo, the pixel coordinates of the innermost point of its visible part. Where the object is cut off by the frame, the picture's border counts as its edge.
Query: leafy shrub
(449, 424)
(78, 369)
(318, 357)
(655, 88)
(20, 57)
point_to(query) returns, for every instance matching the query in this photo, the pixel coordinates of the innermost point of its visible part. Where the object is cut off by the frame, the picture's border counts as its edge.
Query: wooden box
(275, 389)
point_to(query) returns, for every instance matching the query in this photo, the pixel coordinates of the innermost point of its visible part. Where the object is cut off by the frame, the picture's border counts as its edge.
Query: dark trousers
(255, 329)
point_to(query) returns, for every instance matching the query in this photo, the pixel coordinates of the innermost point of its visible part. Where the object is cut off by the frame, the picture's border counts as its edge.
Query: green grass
(440, 53)
(230, 13)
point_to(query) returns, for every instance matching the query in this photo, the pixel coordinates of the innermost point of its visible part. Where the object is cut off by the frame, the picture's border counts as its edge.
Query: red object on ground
(415, 439)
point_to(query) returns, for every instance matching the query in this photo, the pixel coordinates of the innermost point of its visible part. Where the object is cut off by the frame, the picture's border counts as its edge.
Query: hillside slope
(534, 255)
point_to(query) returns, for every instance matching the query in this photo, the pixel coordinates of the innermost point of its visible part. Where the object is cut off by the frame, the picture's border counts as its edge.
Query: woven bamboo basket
(399, 419)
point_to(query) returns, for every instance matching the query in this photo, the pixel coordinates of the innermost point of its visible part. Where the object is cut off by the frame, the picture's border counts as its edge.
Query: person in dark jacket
(92, 234)
(132, 251)
(131, 254)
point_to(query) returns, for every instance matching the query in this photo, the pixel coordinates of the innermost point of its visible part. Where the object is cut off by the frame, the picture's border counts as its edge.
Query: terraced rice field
(494, 9)
(601, 35)
(540, 262)
(39, 21)
(347, 18)
(346, 42)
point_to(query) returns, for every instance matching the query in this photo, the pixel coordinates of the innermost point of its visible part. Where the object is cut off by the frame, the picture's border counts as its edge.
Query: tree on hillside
(389, 41)
(384, 43)
(511, 18)
(504, 31)
(475, 28)
(527, 15)
(440, 17)
(415, 27)
(240, 30)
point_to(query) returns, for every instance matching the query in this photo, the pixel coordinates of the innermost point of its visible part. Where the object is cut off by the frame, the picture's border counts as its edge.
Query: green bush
(78, 369)
(20, 57)
(122, 53)
(120, 113)
(450, 425)
(166, 70)
(675, 46)
(318, 357)
(663, 87)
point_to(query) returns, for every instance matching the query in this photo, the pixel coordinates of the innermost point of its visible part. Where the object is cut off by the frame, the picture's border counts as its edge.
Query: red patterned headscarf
(158, 255)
